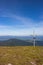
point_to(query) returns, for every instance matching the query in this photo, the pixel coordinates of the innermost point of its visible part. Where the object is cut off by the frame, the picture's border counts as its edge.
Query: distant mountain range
(20, 37)
(18, 42)
(15, 42)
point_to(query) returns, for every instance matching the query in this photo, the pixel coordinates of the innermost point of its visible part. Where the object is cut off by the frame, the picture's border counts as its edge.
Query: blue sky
(21, 17)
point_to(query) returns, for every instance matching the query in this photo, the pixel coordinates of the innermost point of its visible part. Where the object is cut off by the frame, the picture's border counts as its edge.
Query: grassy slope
(21, 55)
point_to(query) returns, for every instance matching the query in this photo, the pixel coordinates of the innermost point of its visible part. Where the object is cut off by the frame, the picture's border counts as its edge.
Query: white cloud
(26, 29)
(21, 32)
(25, 21)
(28, 22)
(3, 26)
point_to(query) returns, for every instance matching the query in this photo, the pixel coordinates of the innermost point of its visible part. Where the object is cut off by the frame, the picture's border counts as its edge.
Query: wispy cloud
(25, 21)
(3, 26)
(25, 29)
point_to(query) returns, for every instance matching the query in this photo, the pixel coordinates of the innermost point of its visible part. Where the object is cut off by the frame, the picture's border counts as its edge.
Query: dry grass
(21, 55)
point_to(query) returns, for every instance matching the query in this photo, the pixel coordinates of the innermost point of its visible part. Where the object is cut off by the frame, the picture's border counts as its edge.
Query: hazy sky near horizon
(21, 17)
